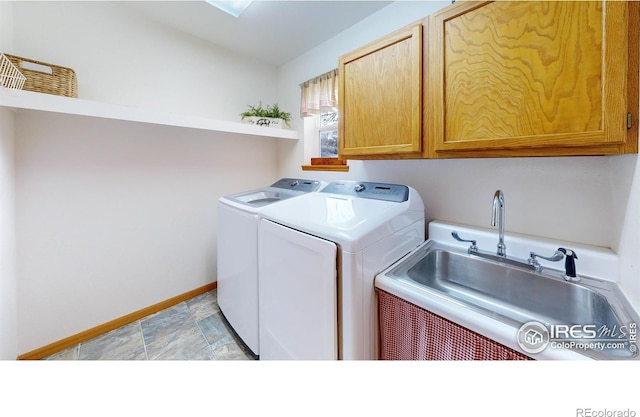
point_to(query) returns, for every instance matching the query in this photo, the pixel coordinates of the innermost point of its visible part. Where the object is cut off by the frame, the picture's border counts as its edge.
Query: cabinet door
(380, 96)
(533, 78)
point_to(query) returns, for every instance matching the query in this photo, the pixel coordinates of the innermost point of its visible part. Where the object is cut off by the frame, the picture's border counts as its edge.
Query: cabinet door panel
(518, 75)
(381, 96)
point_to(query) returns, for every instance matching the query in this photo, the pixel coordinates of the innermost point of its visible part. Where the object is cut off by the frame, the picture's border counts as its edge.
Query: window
(318, 107)
(328, 135)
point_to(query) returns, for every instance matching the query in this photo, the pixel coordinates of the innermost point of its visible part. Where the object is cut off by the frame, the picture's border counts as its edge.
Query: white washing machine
(318, 257)
(238, 217)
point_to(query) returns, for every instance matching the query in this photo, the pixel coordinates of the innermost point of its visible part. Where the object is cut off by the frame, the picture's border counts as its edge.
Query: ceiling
(274, 32)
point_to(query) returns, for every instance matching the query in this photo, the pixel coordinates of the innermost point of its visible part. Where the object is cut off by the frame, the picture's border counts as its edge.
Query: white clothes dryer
(238, 216)
(318, 257)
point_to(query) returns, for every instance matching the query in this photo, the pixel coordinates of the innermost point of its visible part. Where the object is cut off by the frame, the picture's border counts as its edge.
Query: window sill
(327, 164)
(336, 168)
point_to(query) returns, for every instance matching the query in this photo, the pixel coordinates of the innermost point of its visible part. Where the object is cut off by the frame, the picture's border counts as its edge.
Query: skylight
(233, 7)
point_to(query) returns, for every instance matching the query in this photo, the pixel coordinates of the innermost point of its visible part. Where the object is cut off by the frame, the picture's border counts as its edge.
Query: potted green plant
(271, 116)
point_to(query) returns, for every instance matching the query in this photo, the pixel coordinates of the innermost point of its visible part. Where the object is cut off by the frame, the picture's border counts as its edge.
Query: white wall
(121, 58)
(115, 216)
(625, 183)
(8, 303)
(590, 200)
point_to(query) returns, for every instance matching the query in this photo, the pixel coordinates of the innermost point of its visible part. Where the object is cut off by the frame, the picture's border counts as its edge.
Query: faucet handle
(558, 255)
(473, 248)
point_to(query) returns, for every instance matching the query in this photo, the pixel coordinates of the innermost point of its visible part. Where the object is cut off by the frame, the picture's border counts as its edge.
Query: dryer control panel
(373, 190)
(297, 184)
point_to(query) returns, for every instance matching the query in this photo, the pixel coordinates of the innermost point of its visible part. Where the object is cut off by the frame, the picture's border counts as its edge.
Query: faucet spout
(497, 218)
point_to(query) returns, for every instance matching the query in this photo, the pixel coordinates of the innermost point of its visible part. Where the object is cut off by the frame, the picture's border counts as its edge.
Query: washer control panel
(373, 190)
(297, 184)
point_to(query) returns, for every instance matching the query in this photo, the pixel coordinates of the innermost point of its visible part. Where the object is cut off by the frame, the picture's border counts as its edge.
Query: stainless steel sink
(516, 295)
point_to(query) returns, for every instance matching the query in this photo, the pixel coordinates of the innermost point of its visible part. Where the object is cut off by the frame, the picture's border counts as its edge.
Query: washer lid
(261, 198)
(349, 220)
(280, 190)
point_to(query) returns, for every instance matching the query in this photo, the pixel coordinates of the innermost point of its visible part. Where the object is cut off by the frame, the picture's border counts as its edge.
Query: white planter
(264, 121)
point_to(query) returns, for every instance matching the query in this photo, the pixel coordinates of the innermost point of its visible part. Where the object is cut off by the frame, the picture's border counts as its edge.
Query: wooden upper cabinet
(533, 79)
(380, 97)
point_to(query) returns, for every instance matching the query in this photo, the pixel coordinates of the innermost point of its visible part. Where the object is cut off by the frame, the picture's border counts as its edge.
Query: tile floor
(191, 330)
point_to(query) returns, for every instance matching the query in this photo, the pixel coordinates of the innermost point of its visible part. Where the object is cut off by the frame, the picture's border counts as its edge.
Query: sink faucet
(497, 217)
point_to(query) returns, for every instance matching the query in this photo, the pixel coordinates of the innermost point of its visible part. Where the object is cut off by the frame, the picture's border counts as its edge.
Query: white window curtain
(319, 94)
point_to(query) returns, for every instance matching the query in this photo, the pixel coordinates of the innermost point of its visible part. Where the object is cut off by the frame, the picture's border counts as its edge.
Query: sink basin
(516, 295)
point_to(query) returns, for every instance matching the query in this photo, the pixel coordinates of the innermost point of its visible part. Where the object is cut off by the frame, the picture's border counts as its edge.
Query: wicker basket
(10, 76)
(46, 78)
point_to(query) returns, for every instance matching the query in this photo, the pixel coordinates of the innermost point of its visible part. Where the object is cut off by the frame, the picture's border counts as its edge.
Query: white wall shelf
(28, 100)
